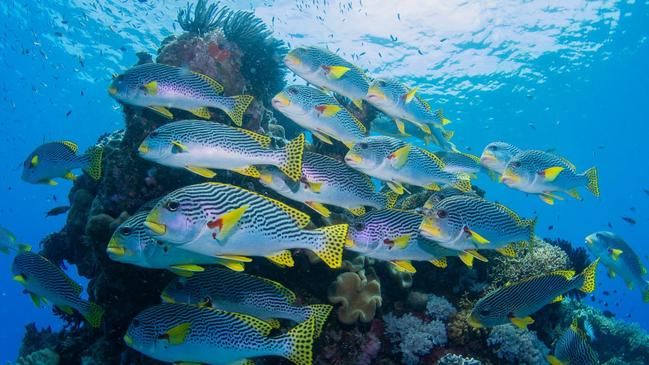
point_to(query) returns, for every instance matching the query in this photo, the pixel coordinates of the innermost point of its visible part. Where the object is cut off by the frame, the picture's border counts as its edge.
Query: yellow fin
(433, 187)
(522, 323)
(227, 221)
(574, 193)
(567, 274)
(215, 85)
(20, 278)
(232, 264)
(176, 335)
(396, 187)
(629, 284)
(162, 111)
(330, 248)
(440, 114)
(328, 110)
(235, 258)
(507, 251)
(553, 360)
(202, 171)
(34, 161)
(358, 103)
(551, 173)
(557, 299)
(390, 200)
(448, 135)
(240, 105)
(183, 273)
(403, 266)
(441, 263)
(188, 267)
(291, 164)
(615, 253)
(36, 300)
(282, 258)
(547, 199)
(589, 277)
(65, 309)
(464, 184)
(322, 137)
(314, 186)
(318, 207)
(401, 126)
(262, 327)
(611, 273)
(51, 182)
(400, 156)
(264, 141)
(336, 72)
(357, 211)
(477, 255)
(180, 146)
(410, 95)
(477, 237)
(360, 125)
(151, 88)
(402, 242)
(70, 176)
(466, 258)
(593, 181)
(71, 145)
(201, 112)
(248, 171)
(424, 128)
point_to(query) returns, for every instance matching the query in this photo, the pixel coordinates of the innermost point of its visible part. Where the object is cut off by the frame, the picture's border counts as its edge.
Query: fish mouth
(474, 322)
(167, 298)
(429, 229)
(280, 100)
(112, 91)
(486, 158)
(157, 228)
(128, 340)
(144, 147)
(114, 248)
(352, 158)
(509, 178)
(589, 240)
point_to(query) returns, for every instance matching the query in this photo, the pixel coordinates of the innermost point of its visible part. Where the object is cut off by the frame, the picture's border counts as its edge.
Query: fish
(496, 155)
(384, 125)
(226, 221)
(46, 283)
(466, 223)
(393, 235)
(543, 173)
(320, 113)
(183, 333)
(326, 180)
(573, 348)
(397, 163)
(57, 160)
(201, 146)
(629, 220)
(158, 87)
(620, 259)
(238, 292)
(460, 162)
(401, 103)
(446, 192)
(9, 243)
(131, 244)
(516, 302)
(57, 210)
(329, 71)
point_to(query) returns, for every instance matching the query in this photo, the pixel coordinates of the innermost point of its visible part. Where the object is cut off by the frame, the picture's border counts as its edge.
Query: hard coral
(40, 357)
(517, 345)
(453, 359)
(358, 296)
(413, 336)
(439, 307)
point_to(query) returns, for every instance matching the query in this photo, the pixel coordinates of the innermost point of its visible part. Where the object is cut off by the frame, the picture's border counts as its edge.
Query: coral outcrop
(358, 296)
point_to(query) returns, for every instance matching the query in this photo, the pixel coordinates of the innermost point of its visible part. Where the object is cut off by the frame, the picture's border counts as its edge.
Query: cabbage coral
(358, 297)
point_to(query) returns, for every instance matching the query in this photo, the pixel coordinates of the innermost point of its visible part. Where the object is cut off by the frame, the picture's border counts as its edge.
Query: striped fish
(466, 223)
(229, 222)
(329, 71)
(446, 192)
(46, 283)
(573, 348)
(320, 113)
(496, 155)
(460, 162)
(58, 159)
(200, 146)
(328, 181)
(242, 293)
(515, 302)
(393, 235)
(397, 163)
(543, 173)
(182, 333)
(159, 87)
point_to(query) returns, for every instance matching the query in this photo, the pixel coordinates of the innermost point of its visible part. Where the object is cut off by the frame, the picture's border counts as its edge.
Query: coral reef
(517, 345)
(453, 359)
(439, 307)
(40, 357)
(357, 295)
(413, 336)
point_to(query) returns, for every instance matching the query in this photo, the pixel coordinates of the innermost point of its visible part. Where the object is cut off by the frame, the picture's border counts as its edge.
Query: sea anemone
(205, 20)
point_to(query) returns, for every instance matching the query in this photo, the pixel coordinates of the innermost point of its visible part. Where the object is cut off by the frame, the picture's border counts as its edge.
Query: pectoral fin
(396, 187)
(335, 72)
(522, 323)
(178, 147)
(401, 126)
(162, 111)
(151, 88)
(202, 171)
(328, 110)
(400, 156)
(402, 242)
(403, 266)
(314, 186)
(70, 176)
(615, 253)
(177, 334)
(551, 173)
(322, 137)
(318, 207)
(201, 112)
(410, 95)
(226, 222)
(21, 279)
(476, 237)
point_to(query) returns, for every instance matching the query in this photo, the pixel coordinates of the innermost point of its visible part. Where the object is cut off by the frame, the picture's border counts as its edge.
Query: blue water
(568, 75)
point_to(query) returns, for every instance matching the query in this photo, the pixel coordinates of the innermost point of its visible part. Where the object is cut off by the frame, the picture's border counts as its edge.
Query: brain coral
(358, 296)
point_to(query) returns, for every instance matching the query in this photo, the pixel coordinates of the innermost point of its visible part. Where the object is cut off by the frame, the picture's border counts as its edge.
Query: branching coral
(413, 336)
(453, 359)
(40, 357)
(439, 307)
(358, 296)
(205, 18)
(517, 345)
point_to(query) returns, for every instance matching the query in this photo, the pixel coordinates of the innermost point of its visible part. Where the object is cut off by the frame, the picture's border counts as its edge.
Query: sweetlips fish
(189, 334)
(466, 223)
(543, 173)
(228, 222)
(9, 243)
(396, 100)
(242, 293)
(393, 235)
(573, 347)
(46, 283)
(397, 162)
(445, 192)
(460, 162)
(58, 159)
(329, 71)
(386, 126)
(326, 180)
(200, 146)
(496, 155)
(158, 87)
(620, 259)
(515, 302)
(320, 113)
(131, 244)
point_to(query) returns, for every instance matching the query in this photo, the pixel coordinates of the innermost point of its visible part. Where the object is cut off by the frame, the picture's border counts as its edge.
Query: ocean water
(564, 75)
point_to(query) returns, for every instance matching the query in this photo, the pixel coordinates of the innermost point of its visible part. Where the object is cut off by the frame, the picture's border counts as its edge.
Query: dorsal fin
(510, 212)
(285, 292)
(300, 218)
(264, 141)
(218, 88)
(570, 164)
(568, 274)
(424, 102)
(71, 145)
(433, 157)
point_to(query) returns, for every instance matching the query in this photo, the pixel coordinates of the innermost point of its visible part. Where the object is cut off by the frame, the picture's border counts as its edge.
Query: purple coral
(413, 336)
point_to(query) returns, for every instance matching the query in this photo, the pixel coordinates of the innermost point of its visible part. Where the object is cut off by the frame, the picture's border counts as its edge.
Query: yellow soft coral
(358, 297)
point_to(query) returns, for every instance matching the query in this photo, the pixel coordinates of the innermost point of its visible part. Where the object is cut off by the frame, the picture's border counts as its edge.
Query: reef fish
(57, 211)
(620, 259)
(46, 283)
(329, 71)
(465, 223)
(326, 180)
(543, 173)
(515, 302)
(200, 146)
(8, 242)
(226, 221)
(401, 103)
(573, 348)
(320, 113)
(58, 159)
(182, 333)
(393, 235)
(460, 162)
(158, 87)
(439, 195)
(397, 163)
(386, 126)
(242, 293)
(496, 155)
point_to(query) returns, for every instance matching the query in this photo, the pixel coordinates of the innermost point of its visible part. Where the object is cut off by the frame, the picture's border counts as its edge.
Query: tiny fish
(9, 243)
(57, 210)
(629, 220)
(57, 159)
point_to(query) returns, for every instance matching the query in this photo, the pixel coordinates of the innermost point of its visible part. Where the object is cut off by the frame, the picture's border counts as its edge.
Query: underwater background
(569, 76)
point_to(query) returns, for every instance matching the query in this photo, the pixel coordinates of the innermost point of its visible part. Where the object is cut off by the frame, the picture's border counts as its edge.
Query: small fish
(9, 243)
(69, 112)
(46, 283)
(573, 347)
(397, 163)
(328, 181)
(496, 155)
(393, 235)
(329, 71)
(320, 113)
(543, 173)
(629, 220)
(515, 302)
(226, 221)
(467, 223)
(200, 146)
(57, 211)
(158, 87)
(182, 333)
(57, 159)
(238, 292)
(620, 259)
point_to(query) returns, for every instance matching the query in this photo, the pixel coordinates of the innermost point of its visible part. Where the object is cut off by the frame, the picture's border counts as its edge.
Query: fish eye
(516, 164)
(126, 231)
(363, 145)
(359, 226)
(172, 205)
(442, 214)
(381, 83)
(598, 235)
(492, 148)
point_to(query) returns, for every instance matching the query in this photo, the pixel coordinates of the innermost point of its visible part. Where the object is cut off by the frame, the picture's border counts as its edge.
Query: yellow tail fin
(391, 199)
(291, 161)
(588, 277)
(553, 360)
(94, 155)
(593, 181)
(94, 314)
(320, 312)
(241, 103)
(463, 185)
(330, 247)
(299, 343)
